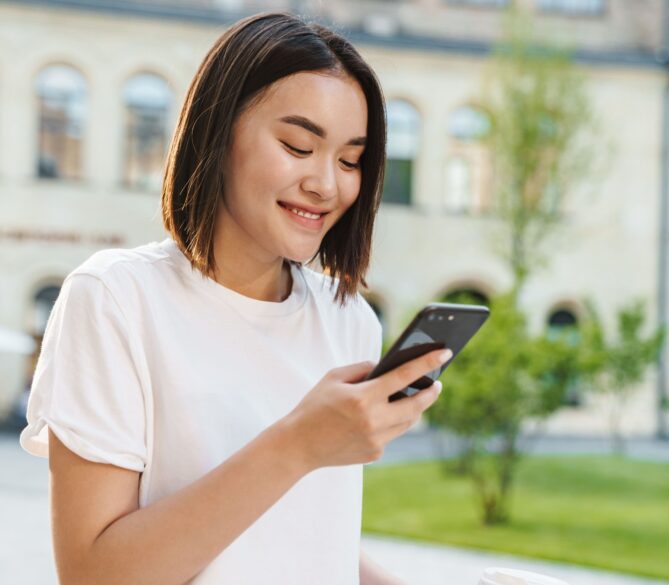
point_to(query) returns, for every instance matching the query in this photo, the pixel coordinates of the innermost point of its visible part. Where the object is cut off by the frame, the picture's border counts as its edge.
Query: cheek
(271, 169)
(350, 188)
(259, 160)
(349, 191)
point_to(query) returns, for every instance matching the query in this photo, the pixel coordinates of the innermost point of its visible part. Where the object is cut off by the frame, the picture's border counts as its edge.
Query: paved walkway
(26, 557)
(431, 564)
(25, 534)
(430, 444)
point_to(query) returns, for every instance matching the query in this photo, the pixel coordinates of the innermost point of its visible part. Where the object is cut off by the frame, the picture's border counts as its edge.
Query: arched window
(376, 306)
(469, 296)
(563, 324)
(467, 172)
(469, 124)
(62, 103)
(147, 99)
(43, 303)
(402, 149)
(459, 184)
(580, 7)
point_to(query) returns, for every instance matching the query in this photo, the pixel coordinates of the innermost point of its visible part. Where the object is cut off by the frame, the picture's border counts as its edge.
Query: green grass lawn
(605, 512)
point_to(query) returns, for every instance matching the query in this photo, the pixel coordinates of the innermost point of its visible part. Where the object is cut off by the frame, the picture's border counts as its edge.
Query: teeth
(304, 213)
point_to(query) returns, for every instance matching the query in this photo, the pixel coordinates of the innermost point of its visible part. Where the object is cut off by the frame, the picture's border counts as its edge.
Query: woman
(201, 399)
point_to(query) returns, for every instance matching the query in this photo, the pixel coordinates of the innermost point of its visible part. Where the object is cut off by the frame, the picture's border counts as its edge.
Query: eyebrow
(319, 131)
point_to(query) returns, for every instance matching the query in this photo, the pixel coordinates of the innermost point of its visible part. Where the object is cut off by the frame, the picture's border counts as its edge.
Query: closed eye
(300, 152)
(297, 150)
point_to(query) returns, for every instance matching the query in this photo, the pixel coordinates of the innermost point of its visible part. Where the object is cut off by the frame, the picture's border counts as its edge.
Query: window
(459, 194)
(62, 102)
(377, 308)
(563, 324)
(550, 202)
(467, 170)
(402, 149)
(482, 3)
(43, 303)
(581, 7)
(469, 124)
(468, 296)
(147, 99)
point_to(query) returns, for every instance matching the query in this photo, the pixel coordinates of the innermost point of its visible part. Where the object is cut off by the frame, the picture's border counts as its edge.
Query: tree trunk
(507, 460)
(618, 444)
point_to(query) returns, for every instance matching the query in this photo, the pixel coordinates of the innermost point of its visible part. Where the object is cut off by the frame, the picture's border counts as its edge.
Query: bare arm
(101, 536)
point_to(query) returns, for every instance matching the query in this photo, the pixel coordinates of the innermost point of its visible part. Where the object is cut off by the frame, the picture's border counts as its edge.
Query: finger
(352, 372)
(390, 434)
(408, 415)
(409, 410)
(402, 419)
(403, 375)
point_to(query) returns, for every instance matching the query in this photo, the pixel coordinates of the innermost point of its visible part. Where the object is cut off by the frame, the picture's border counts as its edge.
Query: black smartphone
(438, 325)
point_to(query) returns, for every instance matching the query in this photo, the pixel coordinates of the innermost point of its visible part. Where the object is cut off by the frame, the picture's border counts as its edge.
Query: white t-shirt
(149, 365)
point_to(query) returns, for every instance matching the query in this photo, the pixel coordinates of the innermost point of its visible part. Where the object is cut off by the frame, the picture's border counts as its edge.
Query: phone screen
(438, 325)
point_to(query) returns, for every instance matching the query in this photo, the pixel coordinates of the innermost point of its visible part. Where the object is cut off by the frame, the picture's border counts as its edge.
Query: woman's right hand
(346, 420)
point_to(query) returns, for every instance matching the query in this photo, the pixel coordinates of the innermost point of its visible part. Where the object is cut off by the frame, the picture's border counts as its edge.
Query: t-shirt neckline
(242, 303)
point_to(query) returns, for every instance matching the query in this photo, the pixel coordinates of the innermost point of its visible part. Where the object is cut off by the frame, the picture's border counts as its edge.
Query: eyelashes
(300, 152)
(297, 150)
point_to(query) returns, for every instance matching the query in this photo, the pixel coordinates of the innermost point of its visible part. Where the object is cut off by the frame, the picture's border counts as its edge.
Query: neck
(268, 283)
(253, 275)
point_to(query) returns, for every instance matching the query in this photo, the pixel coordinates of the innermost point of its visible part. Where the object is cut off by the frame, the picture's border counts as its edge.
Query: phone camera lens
(451, 317)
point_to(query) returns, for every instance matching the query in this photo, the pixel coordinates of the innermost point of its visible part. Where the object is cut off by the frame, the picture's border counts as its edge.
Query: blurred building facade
(89, 95)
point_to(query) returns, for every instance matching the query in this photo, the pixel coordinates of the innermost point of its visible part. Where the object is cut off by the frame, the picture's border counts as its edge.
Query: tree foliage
(614, 367)
(539, 139)
(503, 376)
(540, 113)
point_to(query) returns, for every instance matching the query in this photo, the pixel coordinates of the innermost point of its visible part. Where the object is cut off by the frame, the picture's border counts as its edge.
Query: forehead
(334, 101)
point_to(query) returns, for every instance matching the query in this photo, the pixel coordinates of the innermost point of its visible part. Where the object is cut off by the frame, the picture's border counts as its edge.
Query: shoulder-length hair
(250, 56)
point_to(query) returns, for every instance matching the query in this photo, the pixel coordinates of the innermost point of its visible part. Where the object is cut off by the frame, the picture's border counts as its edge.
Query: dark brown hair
(250, 56)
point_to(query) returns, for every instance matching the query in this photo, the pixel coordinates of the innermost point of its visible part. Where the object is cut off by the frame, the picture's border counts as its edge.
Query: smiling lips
(305, 217)
(305, 208)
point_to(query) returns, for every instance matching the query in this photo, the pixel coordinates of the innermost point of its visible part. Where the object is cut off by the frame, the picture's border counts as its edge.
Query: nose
(322, 180)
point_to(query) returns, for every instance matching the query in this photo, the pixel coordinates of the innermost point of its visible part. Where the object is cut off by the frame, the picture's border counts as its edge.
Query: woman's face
(299, 147)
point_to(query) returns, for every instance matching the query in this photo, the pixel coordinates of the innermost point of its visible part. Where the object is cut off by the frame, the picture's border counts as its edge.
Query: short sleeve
(87, 384)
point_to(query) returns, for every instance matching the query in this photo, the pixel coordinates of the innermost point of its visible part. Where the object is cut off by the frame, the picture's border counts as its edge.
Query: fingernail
(445, 355)
(439, 386)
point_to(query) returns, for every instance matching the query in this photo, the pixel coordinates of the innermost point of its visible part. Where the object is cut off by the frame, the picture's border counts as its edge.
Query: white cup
(503, 576)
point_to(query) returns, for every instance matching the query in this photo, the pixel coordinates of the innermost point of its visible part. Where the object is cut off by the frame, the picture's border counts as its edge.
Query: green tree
(501, 378)
(614, 367)
(540, 118)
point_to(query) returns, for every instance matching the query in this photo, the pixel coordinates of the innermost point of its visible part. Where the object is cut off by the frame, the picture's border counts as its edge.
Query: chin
(299, 258)
(302, 257)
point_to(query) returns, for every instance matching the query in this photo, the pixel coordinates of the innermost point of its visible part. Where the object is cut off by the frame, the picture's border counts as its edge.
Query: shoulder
(119, 273)
(126, 268)
(108, 264)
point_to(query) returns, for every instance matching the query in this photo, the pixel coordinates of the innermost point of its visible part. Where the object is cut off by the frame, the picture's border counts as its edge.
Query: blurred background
(528, 151)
